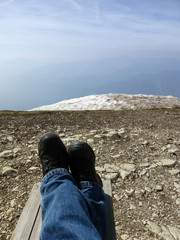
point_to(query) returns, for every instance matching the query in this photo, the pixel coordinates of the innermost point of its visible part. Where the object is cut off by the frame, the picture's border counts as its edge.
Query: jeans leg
(66, 210)
(95, 198)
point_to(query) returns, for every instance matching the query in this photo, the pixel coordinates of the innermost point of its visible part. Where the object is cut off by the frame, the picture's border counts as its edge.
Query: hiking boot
(52, 152)
(82, 162)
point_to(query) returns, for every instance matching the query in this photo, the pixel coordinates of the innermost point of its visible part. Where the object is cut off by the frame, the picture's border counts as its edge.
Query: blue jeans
(70, 210)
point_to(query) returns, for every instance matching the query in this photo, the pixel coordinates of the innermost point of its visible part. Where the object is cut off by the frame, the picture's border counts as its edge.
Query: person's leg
(95, 197)
(67, 211)
(82, 165)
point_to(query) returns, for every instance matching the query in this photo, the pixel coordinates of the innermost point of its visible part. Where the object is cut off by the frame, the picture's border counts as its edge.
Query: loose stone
(13, 203)
(174, 171)
(10, 138)
(125, 237)
(132, 207)
(9, 211)
(128, 167)
(113, 135)
(130, 192)
(166, 162)
(124, 174)
(159, 188)
(145, 143)
(6, 154)
(8, 171)
(175, 151)
(100, 169)
(117, 197)
(112, 176)
(33, 168)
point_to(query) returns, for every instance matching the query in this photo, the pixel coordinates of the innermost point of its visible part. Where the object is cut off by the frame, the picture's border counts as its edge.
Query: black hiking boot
(52, 152)
(82, 162)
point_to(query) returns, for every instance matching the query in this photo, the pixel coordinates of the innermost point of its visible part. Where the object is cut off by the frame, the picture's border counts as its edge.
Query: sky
(36, 33)
(71, 30)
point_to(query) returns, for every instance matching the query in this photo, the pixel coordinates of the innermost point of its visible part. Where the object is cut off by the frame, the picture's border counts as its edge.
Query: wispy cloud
(5, 2)
(33, 26)
(75, 5)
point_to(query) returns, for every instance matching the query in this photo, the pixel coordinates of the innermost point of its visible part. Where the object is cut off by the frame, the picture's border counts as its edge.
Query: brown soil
(157, 127)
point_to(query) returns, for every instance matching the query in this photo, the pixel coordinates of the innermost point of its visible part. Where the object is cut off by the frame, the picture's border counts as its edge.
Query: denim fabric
(70, 210)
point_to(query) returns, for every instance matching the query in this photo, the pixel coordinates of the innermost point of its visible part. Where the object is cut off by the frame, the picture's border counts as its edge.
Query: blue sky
(37, 34)
(71, 30)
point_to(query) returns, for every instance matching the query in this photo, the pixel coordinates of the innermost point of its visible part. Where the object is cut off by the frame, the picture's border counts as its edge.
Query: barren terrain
(139, 150)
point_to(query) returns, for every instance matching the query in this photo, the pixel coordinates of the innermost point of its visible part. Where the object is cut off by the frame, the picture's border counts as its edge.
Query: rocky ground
(138, 150)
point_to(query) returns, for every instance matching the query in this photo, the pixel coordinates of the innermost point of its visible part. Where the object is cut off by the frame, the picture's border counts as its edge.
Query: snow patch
(113, 101)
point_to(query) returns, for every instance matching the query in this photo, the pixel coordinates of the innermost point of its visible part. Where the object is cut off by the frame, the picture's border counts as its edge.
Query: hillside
(139, 150)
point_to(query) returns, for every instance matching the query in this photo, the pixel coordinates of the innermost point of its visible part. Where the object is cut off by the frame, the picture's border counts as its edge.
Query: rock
(147, 189)
(130, 192)
(174, 171)
(9, 211)
(97, 138)
(61, 134)
(178, 201)
(166, 162)
(10, 219)
(128, 167)
(112, 176)
(93, 132)
(177, 185)
(110, 170)
(34, 150)
(145, 143)
(6, 154)
(132, 207)
(146, 164)
(107, 165)
(167, 233)
(122, 131)
(153, 227)
(140, 193)
(144, 171)
(115, 168)
(168, 146)
(90, 141)
(124, 174)
(8, 171)
(159, 188)
(16, 150)
(164, 148)
(125, 237)
(126, 170)
(175, 232)
(15, 189)
(13, 203)
(100, 169)
(174, 151)
(33, 168)
(113, 135)
(111, 167)
(116, 156)
(117, 197)
(10, 138)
